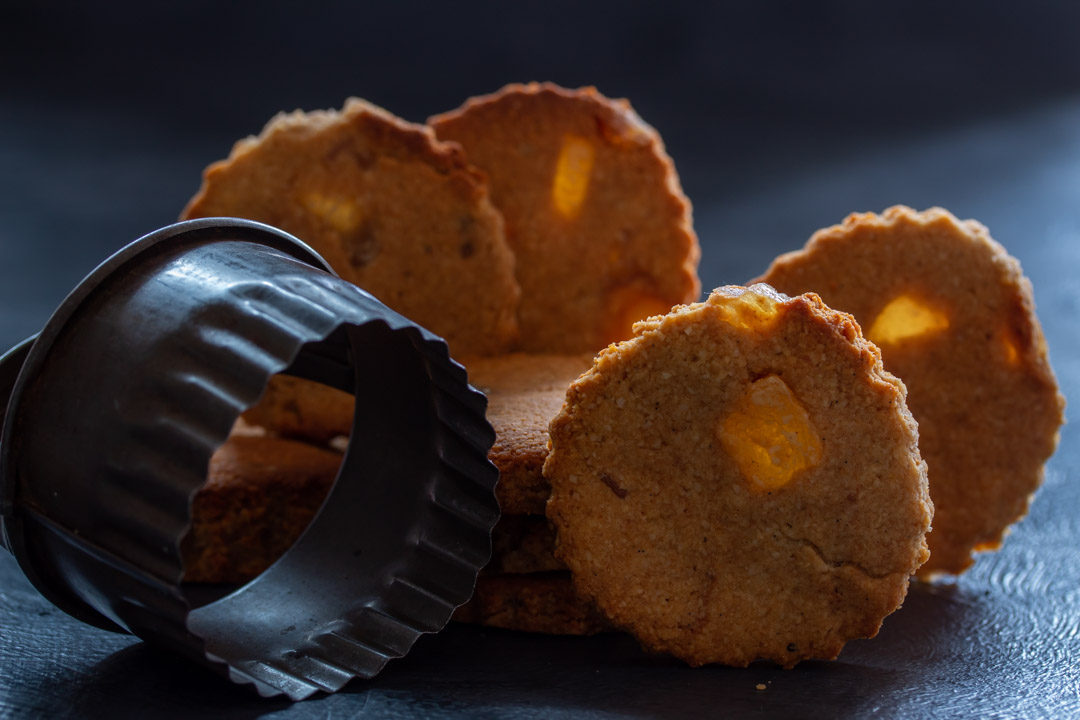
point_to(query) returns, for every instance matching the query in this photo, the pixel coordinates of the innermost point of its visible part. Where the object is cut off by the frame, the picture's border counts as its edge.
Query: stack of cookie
(529, 228)
(744, 478)
(524, 587)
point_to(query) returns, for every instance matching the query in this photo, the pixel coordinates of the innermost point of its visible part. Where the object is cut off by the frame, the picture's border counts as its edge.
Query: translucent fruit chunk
(341, 214)
(769, 435)
(627, 306)
(1010, 347)
(572, 170)
(747, 308)
(905, 318)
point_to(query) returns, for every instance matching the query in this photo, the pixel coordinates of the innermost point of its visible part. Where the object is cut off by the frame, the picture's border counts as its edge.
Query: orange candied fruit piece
(905, 318)
(572, 172)
(341, 214)
(627, 305)
(769, 435)
(747, 308)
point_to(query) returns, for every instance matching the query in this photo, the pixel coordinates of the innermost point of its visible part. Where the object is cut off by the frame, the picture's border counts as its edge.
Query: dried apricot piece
(769, 434)
(904, 318)
(573, 169)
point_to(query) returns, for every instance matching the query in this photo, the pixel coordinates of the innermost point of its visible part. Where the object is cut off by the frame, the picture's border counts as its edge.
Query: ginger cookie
(955, 319)
(391, 209)
(593, 207)
(524, 393)
(260, 494)
(739, 481)
(537, 603)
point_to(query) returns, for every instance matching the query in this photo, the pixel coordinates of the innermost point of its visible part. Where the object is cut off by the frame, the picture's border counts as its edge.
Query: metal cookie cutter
(111, 414)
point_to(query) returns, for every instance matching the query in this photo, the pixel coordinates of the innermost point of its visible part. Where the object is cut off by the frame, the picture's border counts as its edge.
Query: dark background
(109, 111)
(781, 118)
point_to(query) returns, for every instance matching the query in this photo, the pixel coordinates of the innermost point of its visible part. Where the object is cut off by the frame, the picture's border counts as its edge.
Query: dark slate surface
(782, 119)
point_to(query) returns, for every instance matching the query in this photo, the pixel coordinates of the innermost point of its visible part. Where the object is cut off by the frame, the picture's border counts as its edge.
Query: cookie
(523, 544)
(538, 603)
(955, 319)
(524, 393)
(260, 494)
(302, 409)
(594, 211)
(391, 209)
(740, 481)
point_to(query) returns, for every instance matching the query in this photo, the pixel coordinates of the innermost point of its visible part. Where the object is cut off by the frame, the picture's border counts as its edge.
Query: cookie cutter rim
(18, 363)
(305, 670)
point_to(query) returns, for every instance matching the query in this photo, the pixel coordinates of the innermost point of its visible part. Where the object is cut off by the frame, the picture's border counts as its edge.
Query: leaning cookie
(260, 494)
(538, 603)
(594, 211)
(740, 481)
(955, 319)
(391, 209)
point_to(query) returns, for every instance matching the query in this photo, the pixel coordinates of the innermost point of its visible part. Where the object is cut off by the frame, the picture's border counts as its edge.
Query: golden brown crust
(524, 393)
(538, 603)
(666, 532)
(391, 209)
(615, 245)
(981, 389)
(260, 494)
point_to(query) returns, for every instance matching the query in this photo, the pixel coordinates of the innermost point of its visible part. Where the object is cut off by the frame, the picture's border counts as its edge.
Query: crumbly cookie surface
(524, 393)
(539, 603)
(260, 494)
(740, 481)
(391, 209)
(594, 211)
(954, 317)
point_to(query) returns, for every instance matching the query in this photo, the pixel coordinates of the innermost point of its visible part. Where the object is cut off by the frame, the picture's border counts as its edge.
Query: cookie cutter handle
(11, 364)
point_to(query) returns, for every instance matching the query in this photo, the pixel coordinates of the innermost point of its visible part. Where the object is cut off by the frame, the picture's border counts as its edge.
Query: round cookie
(740, 481)
(524, 393)
(391, 209)
(594, 211)
(260, 495)
(955, 320)
(538, 603)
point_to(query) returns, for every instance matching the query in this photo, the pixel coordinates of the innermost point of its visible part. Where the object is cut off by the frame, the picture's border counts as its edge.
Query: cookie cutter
(111, 414)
